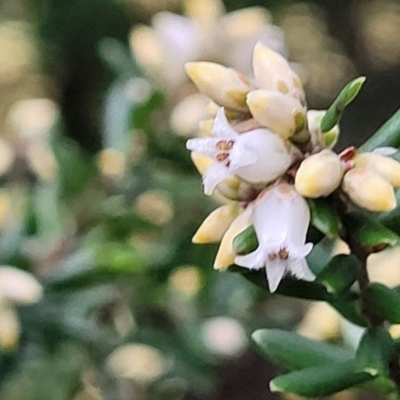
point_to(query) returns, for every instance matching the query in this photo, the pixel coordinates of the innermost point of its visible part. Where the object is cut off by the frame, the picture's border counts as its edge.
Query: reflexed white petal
(300, 251)
(213, 176)
(204, 146)
(275, 272)
(385, 151)
(299, 268)
(222, 128)
(253, 260)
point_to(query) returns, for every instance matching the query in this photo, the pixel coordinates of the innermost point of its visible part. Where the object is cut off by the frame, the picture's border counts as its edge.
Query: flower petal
(222, 128)
(299, 268)
(213, 176)
(253, 260)
(275, 271)
(206, 146)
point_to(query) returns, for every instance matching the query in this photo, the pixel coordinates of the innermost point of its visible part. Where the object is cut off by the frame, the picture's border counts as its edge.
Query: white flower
(280, 218)
(257, 156)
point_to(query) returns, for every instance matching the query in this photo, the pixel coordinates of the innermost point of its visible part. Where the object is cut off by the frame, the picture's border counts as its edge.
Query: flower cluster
(262, 154)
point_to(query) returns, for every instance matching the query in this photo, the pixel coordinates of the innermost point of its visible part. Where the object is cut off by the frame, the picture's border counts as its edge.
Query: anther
(283, 254)
(272, 256)
(222, 156)
(224, 145)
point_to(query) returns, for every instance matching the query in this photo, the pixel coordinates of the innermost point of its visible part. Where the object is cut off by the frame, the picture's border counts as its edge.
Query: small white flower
(257, 156)
(280, 218)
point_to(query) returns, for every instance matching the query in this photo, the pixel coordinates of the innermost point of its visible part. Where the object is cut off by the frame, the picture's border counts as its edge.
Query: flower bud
(273, 72)
(282, 114)
(384, 166)
(319, 139)
(206, 127)
(9, 328)
(216, 224)
(226, 86)
(226, 254)
(201, 162)
(319, 175)
(369, 190)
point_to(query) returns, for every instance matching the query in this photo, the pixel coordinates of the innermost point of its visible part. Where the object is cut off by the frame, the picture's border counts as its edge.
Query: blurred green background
(99, 201)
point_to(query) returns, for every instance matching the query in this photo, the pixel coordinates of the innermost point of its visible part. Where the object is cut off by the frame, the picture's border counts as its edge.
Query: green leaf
(246, 241)
(382, 302)
(369, 232)
(375, 351)
(346, 96)
(350, 310)
(323, 380)
(387, 135)
(324, 217)
(340, 273)
(297, 352)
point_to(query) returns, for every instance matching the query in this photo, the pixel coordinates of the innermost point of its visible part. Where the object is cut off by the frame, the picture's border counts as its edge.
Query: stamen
(272, 256)
(283, 254)
(224, 145)
(222, 156)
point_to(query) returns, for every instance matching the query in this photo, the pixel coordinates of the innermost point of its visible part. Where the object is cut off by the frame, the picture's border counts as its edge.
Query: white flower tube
(280, 218)
(257, 156)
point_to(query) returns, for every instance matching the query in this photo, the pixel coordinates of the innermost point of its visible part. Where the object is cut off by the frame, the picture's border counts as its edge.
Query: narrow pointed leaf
(296, 352)
(346, 96)
(340, 273)
(375, 351)
(323, 380)
(246, 241)
(324, 218)
(369, 232)
(387, 135)
(382, 301)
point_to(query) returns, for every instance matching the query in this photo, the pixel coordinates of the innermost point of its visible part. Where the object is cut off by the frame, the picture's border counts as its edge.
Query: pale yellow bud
(201, 162)
(273, 72)
(226, 254)
(225, 86)
(146, 48)
(216, 224)
(384, 166)
(187, 114)
(319, 175)
(204, 11)
(212, 109)
(369, 190)
(282, 114)
(9, 328)
(206, 127)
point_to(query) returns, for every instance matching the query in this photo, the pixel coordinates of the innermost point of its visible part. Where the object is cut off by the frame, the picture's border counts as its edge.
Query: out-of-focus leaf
(387, 135)
(297, 352)
(324, 217)
(340, 273)
(346, 96)
(323, 380)
(369, 232)
(375, 351)
(246, 241)
(170, 389)
(349, 308)
(75, 171)
(382, 302)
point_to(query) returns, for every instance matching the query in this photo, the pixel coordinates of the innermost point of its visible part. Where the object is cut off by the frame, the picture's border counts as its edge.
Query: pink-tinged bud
(226, 254)
(385, 166)
(225, 86)
(273, 72)
(216, 224)
(367, 189)
(319, 175)
(282, 114)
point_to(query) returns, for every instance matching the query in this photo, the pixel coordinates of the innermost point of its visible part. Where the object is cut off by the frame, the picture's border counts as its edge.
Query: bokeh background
(99, 198)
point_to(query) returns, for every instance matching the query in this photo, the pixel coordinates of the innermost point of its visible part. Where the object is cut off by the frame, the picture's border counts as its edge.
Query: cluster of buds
(262, 154)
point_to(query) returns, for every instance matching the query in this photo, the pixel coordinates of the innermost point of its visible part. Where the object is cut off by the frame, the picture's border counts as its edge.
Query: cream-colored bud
(216, 224)
(201, 162)
(387, 167)
(206, 127)
(225, 86)
(18, 286)
(226, 254)
(212, 109)
(187, 114)
(273, 72)
(369, 190)
(282, 114)
(146, 49)
(9, 328)
(319, 175)
(205, 11)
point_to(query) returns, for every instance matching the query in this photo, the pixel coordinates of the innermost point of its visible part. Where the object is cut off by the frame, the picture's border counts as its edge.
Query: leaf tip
(273, 387)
